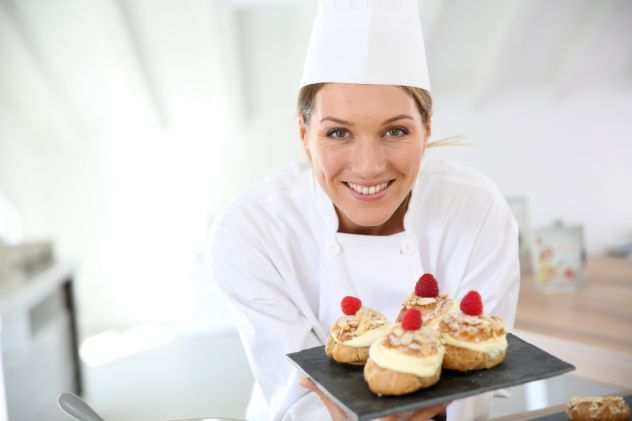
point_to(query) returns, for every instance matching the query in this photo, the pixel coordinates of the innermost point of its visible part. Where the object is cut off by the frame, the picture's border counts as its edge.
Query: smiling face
(365, 144)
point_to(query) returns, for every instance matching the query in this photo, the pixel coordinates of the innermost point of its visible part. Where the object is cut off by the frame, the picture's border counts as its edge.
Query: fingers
(426, 413)
(336, 413)
(398, 417)
(309, 385)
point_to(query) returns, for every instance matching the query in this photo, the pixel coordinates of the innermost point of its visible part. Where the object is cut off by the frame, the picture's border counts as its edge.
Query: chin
(369, 221)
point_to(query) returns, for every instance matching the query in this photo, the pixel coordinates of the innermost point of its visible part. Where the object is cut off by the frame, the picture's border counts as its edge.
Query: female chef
(365, 217)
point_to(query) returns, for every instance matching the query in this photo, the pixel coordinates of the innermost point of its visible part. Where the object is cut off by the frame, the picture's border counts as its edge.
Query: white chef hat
(367, 42)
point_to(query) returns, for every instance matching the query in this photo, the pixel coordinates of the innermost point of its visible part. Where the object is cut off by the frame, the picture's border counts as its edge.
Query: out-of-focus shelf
(598, 314)
(38, 342)
(591, 327)
(36, 287)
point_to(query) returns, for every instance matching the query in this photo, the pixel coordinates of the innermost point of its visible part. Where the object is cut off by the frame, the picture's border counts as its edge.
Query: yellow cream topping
(368, 337)
(392, 359)
(490, 346)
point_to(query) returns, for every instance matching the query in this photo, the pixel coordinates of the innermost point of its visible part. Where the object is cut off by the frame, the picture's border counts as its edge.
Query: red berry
(427, 286)
(411, 320)
(472, 304)
(350, 305)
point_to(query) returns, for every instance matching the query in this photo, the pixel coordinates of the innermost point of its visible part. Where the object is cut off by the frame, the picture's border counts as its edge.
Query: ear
(302, 131)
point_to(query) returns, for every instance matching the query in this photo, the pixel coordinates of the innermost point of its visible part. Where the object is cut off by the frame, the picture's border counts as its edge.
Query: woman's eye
(398, 132)
(337, 133)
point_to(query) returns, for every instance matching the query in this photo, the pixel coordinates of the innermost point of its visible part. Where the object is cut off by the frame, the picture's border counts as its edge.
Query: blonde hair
(422, 98)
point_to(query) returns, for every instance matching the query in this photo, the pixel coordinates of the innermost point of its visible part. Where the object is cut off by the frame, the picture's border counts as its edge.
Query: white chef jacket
(278, 257)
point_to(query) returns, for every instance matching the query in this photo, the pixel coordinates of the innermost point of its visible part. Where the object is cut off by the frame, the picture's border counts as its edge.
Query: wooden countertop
(598, 314)
(545, 412)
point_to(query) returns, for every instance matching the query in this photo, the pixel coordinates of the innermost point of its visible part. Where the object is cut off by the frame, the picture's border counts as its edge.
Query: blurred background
(126, 125)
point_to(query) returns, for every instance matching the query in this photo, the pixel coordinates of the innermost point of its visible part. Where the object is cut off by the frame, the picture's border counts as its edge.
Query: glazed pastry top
(463, 327)
(366, 324)
(431, 307)
(599, 406)
(421, 343)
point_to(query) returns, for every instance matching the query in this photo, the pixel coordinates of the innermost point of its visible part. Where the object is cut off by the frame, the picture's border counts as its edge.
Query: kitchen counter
(551, 413)
(590, 328)
(38, 342)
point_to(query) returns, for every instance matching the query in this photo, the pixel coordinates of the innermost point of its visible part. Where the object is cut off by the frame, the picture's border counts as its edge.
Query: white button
(407, 247)
(334, 248)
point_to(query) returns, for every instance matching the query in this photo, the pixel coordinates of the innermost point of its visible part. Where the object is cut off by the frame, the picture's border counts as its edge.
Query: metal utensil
(76, 407)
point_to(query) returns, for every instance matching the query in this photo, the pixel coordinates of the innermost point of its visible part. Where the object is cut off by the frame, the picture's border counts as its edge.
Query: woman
(365, 217)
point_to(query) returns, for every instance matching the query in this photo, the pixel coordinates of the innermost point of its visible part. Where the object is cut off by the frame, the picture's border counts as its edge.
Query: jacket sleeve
(269, 323)
(493, 269)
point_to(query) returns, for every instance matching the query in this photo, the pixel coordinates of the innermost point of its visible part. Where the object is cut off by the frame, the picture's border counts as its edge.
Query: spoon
(76, 407)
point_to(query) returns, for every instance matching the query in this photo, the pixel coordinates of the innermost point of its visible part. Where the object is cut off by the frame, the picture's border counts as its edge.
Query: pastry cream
(394, 360)
(491, 346)
(367, 338)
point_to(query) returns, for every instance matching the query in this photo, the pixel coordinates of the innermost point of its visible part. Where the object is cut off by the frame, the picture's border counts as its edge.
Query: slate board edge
(414, 405)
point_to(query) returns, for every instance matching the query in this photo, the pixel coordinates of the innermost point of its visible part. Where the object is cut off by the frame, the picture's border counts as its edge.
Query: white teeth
(368, 190)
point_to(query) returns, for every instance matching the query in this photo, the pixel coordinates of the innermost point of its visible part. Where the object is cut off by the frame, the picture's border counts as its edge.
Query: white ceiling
(80, 67)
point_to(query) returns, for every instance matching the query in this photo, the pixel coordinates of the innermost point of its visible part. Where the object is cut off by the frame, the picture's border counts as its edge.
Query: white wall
(571, 157)
(568, 149)
(121, 158)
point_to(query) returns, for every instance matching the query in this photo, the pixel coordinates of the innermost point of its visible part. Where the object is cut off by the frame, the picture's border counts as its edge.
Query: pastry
(606, 408)
(353, 333)
(407, 359)
(472, 340)
(427, 299)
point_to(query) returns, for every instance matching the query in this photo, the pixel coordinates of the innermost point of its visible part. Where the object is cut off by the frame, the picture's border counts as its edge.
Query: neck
(394, 225)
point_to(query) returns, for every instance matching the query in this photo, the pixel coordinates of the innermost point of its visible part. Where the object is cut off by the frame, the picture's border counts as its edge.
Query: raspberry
(350, 305)
(427, 286)
(472, 304)
(411, 320)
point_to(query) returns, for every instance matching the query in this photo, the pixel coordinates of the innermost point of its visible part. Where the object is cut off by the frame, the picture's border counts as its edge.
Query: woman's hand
(337, 414)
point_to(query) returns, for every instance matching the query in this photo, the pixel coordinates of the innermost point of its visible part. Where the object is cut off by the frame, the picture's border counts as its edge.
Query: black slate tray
(345, 384)
(561, 416)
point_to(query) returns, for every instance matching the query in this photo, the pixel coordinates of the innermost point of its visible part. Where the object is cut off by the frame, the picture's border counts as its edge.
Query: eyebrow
(348, 123)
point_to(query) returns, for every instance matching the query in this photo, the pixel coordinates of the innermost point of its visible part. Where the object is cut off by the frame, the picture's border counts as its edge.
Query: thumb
(311, 386)
(336, 413)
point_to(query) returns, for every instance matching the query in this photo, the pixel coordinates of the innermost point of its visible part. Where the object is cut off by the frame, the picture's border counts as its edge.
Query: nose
(369, 160)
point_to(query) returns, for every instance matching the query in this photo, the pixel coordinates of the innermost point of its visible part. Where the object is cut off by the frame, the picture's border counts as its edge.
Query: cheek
(407, 160)
(328, 163)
